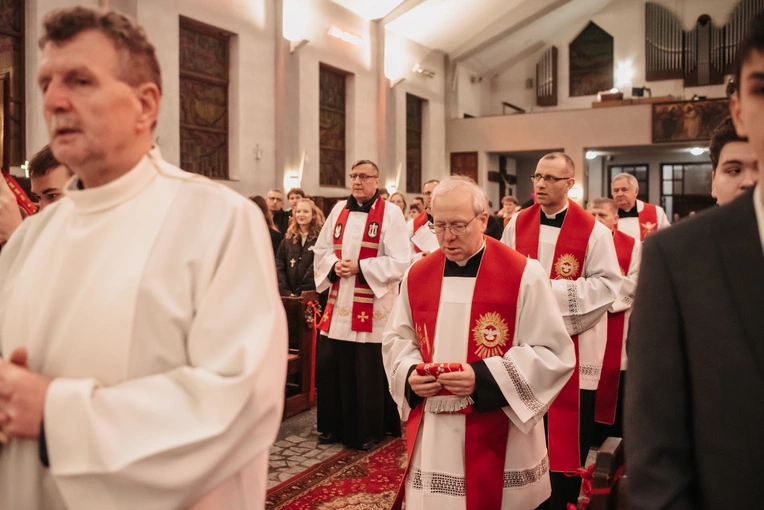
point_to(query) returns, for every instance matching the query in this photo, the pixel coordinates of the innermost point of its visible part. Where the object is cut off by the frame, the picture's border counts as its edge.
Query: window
(641, 171)
(683, 183)
(204, 76)
(414, 108)
(331, 127)
(12, 82)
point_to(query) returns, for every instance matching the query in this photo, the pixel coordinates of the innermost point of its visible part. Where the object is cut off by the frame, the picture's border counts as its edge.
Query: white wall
(625, 21)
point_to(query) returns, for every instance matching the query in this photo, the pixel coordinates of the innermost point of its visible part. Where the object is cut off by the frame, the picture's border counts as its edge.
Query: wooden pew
(610, 459)
(300, 357)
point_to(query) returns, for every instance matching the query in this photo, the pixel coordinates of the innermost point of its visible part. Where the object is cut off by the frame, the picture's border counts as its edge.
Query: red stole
(648, 220)
(420, 220)
(610, 378)
(567, 264)
(492, 317)
(363, 296)
(22, 199)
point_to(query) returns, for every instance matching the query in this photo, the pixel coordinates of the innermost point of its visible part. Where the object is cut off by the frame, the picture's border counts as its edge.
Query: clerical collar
(467, 269)
(556, 219)
(631, 213)
(353, 205)
(116, 192)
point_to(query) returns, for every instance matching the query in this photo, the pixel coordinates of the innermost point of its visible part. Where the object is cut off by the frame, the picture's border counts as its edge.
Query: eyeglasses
(362, 177)
(548, 178)
(456, 229)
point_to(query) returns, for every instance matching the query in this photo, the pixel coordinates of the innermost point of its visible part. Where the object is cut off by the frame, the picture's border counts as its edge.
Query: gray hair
(449, 184)
(633, 182)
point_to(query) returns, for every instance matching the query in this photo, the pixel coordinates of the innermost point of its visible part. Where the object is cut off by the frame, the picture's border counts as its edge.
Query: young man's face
(747, 104)
(293, 199)
(50, 187)
(738, 170)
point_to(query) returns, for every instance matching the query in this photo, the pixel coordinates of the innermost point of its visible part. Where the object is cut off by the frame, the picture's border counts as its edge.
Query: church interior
(263, 95)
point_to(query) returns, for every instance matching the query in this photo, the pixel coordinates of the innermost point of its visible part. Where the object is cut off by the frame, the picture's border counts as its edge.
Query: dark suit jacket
(694, 427)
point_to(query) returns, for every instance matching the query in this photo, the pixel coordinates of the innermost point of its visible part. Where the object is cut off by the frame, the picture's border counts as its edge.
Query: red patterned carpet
(351, 480)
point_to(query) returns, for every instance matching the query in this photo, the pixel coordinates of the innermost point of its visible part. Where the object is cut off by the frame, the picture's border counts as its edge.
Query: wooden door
(465, 163)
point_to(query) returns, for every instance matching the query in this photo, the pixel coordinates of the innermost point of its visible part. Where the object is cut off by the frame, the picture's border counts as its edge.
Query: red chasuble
(648, 220)
(492, 319)
(419, 222)
(363, 296)
(568, 264)
(610, 378)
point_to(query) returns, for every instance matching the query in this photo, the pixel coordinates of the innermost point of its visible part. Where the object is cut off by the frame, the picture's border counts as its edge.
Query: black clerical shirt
(631, 213)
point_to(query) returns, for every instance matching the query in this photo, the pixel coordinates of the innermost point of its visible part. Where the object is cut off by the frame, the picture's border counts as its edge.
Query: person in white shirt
(143, 339)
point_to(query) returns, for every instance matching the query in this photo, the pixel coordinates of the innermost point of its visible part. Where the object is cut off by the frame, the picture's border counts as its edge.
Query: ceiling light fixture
(345, 36)
(591, 155)
(697, 151)
(421, 70)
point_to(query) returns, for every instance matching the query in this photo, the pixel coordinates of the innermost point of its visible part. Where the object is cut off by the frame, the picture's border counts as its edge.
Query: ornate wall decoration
(414, 114)
(687, 120)
(204, 71)
(331, 129)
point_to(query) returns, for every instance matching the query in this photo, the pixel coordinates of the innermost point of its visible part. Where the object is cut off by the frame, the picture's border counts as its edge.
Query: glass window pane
(678, 188)
(667, 172)
(667, 187)
(615, 170)
(668, 206)
(697, 180)
(677, 171)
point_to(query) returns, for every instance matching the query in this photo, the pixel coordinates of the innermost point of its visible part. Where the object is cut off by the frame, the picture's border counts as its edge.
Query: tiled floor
(296, 448)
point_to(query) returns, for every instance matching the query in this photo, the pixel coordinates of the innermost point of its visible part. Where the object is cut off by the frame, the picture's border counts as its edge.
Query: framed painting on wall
(686, 121)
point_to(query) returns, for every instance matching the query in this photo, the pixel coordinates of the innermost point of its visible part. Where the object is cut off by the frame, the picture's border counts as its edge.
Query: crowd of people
(144, 343)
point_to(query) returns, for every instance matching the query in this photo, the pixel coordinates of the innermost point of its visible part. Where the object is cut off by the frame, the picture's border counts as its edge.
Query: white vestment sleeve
(583, 302)
(542, 357)
(323, 251)
(386, 270)
(663, 220)
(625, 298)
(172, 437)
(400, 349)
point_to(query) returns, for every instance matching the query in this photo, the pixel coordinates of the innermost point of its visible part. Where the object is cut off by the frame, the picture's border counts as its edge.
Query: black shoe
(328, 438)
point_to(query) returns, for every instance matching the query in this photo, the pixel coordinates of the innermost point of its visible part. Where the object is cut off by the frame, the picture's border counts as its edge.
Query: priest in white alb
(608, 411)
(475, 351)
(142, 335)
(423, 241)
(635, 217)
(360, 256)
(578, 256)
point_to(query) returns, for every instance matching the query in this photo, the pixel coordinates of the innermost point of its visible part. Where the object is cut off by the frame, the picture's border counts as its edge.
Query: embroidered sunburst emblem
(566, 267)
(490, 334)
(649, 227)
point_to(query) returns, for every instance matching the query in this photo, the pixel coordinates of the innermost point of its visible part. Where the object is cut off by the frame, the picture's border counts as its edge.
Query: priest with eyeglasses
(360, 255)
(475, 351)
(578, 256)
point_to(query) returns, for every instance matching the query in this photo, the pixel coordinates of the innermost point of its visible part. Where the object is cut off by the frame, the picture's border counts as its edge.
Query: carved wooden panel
(331, 127)
(546, 78)
(203, 90)
(414, 111)
(465, 163)
(591, 62)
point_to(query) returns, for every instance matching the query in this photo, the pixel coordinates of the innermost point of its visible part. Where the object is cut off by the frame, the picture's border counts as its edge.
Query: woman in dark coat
(294, 258)
(276, 236)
